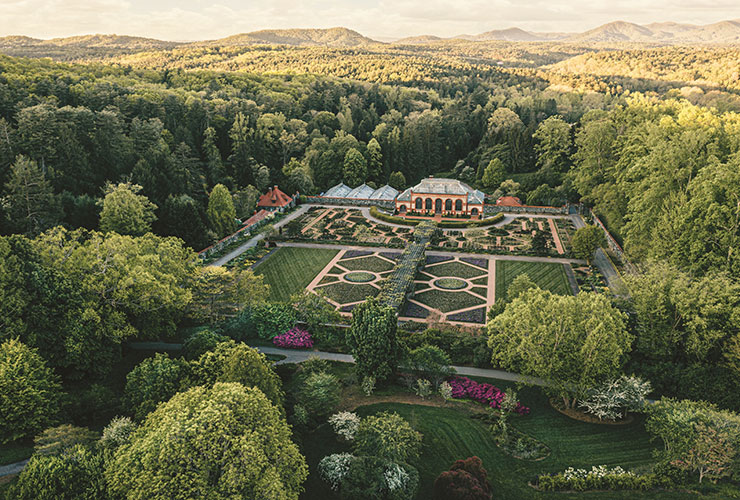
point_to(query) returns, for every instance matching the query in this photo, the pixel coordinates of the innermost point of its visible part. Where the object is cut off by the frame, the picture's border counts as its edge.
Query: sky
(183, 20)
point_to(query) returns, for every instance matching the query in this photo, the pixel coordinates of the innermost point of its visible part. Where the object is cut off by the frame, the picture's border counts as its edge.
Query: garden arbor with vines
(400, 284)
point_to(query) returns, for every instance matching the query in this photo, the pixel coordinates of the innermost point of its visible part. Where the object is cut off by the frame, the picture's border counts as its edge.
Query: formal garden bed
(343, 226)
(450, 289)
(515, 238)
(590, 279)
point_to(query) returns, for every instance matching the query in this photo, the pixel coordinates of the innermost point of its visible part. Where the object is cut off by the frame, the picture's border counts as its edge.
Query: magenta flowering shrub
(295, 338)
(463, 387)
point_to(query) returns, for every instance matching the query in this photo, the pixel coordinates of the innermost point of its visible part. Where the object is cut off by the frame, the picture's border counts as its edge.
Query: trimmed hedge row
(444, 224)
(559, 482)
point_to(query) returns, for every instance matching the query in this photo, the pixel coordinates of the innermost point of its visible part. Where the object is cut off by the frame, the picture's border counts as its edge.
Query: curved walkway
(296, 356)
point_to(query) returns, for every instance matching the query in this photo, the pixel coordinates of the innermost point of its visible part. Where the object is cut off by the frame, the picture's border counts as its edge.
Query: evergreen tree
(355, 168)
(32, 205)
(372, 338)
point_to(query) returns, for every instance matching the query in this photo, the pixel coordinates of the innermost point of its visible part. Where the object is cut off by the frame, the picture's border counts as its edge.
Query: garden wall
(611, 242)
(348, 202)
(493, 209)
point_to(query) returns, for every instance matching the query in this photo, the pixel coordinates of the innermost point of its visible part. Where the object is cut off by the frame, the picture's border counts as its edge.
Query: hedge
(558, 482)
(448, 224)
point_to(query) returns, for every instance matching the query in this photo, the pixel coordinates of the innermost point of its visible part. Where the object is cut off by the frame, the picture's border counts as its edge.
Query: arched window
(403, 209)
(428, 203)
(448, 204)
(437, 205)
(474, 211)
(458, 205)
(419, 203)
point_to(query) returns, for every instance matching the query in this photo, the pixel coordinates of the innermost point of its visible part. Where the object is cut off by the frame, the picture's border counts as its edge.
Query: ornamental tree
(574, 343)
(372, 338)
(430, 361)
(125, 211)
(224, 442)
(466, 480)
(387, 435)
(697, 437)
(29, 392)
(376, 478)
(494, 174)
(220, 293)
(319, 394)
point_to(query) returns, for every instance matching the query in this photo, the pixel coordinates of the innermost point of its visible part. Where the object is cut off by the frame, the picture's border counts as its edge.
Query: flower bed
(415, 311)
(356, 253)
(295, 338)
(359, 277)
(450, 283)
(476, 262)
(465, 388)
(433, 259)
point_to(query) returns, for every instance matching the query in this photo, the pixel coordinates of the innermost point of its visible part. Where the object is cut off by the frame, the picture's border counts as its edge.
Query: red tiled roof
(509, 201)
(256, 218)
(274, 198)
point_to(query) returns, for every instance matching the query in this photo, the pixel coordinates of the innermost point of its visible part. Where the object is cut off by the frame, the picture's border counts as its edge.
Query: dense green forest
(115, 169)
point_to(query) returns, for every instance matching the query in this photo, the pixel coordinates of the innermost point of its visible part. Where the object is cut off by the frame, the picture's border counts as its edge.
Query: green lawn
(450, 435)
(291, 269)
(16, 451)
(547, 275)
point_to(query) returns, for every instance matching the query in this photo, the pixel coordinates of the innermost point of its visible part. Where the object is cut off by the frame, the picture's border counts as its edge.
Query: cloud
(201, 19)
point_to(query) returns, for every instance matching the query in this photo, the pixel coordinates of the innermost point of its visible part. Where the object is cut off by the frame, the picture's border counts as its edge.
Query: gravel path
(296, 356)
(603, 263)
(252, 242)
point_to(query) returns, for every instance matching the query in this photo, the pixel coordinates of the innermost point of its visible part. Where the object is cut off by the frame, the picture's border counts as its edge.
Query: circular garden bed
(359, 277)
(451, 283)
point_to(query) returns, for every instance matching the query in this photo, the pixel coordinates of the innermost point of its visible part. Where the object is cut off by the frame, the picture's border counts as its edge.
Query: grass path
(291, 269)
(548, 276)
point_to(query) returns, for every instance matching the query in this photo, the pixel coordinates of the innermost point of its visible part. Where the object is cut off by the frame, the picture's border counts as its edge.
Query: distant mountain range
(92, 46)
(724, 32)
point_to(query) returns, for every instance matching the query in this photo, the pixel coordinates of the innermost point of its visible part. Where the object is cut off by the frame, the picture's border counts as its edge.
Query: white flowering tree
(345, 424)
(612, 400)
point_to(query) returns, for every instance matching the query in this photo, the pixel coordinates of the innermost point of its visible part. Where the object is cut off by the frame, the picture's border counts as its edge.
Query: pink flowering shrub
(463, 387)
(295, 338)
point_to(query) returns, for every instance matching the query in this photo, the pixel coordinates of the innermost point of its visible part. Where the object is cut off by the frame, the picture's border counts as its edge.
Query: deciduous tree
(125, 211)
(29, 392)
(229, 432)
(572, 342)
(372, 338)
